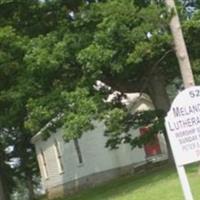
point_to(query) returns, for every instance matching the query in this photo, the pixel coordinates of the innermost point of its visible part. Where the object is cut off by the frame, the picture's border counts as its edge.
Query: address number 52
(194, 93)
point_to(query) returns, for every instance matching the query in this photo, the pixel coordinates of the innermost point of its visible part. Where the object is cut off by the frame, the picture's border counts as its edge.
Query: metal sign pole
(184, 183)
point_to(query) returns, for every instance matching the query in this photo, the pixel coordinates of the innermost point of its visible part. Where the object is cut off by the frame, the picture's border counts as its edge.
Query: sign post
(184, 183)
(183, 128)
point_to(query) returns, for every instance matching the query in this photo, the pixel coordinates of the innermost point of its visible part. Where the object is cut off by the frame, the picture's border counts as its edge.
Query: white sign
(183, 126)
(183, 129)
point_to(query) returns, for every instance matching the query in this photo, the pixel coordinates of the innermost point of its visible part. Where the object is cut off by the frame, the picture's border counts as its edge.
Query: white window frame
(58, 156)
(78, 152)
(43, 164)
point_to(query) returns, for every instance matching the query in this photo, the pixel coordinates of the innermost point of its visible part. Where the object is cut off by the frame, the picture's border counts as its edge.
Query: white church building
(68, 167)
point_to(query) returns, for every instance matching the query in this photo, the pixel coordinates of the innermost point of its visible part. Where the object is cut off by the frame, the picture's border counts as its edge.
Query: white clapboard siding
(96, 158)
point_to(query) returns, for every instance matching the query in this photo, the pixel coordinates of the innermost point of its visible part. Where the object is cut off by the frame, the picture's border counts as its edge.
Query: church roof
(130, 100)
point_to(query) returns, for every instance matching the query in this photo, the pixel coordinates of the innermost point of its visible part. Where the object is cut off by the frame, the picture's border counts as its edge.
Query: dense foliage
(53, 53)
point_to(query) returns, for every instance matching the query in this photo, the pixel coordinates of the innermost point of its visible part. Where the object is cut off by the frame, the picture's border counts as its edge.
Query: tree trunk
(30, 187)
(26, 169)
(2, 194)
(158, 93)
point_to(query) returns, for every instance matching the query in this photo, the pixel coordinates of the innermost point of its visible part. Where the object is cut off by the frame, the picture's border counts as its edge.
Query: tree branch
(146, 81)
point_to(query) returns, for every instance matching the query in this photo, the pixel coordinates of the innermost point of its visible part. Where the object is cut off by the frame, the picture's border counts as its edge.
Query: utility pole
(180, 47)
(187, 76)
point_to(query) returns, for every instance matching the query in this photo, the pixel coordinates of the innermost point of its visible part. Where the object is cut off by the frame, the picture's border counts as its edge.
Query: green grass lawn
(162, 184)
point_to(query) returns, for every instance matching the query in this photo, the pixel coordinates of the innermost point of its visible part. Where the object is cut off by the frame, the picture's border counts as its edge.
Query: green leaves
(114, 121)
(115, 41)
(57, 61)
(95, 59)
(192, 29)
(39, 54)
(82, 110)
(76, 126)
(120, 123)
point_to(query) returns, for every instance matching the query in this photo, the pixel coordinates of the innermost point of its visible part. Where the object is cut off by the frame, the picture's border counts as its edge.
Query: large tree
(53, 52)
(125, 44)
(20, 21)
(10, 51)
